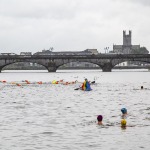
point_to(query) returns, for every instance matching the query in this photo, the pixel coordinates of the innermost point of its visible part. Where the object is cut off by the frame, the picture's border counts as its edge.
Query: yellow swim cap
(123, 122)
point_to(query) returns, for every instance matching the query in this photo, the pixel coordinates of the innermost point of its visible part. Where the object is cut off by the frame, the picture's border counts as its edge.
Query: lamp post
(106, 49)
(51, 50)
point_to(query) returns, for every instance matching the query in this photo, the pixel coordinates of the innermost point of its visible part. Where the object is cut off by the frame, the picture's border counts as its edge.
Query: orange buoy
(40, 82)
(27, 81)
(66, 83)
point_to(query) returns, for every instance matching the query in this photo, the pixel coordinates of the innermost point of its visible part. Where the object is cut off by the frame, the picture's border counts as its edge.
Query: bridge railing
(98, 56)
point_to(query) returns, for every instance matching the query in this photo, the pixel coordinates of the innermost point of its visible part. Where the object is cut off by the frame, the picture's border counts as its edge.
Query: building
(93, 51)
(25, 53)
(85, 52)
(127, 47)
(8, 54)
(72, 64)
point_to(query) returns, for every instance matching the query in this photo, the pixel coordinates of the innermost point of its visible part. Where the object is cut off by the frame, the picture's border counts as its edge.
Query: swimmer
(142, 87)
(99, 119)
(124, 112)
(124, 124)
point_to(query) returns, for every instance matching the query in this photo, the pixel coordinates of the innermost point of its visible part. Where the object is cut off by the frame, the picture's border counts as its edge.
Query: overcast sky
(72, 25)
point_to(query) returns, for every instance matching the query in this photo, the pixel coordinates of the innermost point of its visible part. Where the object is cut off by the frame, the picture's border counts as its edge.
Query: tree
(142, 50)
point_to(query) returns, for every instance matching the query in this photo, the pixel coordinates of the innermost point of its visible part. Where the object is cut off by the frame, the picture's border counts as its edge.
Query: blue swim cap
(124, 110)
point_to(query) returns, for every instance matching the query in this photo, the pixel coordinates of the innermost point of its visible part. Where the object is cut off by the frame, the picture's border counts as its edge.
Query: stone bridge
(53, 62)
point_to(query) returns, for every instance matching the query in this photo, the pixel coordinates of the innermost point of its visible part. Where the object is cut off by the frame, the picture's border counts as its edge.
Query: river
(55, 116)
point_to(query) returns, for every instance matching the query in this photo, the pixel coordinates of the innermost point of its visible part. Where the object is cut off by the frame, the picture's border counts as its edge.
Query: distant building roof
(93, 51)
(85, 52)
(25, 53)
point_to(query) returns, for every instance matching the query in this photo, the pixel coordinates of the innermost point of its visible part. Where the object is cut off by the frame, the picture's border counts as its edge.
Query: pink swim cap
(99, 117)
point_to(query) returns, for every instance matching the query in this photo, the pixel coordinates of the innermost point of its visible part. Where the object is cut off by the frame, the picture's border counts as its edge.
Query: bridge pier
(106, 70)
(51, 69)
(1, 69)
(106, 67)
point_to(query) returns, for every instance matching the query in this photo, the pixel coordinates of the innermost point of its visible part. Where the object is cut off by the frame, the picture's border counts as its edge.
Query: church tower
(127, 38)
(127, 47)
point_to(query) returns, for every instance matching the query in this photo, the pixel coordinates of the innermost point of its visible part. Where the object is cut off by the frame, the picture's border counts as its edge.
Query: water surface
(50, 116)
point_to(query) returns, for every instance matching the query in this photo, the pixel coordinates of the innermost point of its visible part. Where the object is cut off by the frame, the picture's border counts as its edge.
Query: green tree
(142, 50)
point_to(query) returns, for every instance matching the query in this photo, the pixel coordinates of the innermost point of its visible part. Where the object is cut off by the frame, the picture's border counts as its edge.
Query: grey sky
(71, 25)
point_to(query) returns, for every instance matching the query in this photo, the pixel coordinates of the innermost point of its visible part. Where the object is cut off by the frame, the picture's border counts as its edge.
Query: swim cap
(100, 118)
(123, 122)
(124, 110)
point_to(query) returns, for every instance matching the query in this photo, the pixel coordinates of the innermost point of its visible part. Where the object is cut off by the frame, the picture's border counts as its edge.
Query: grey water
(55, 116)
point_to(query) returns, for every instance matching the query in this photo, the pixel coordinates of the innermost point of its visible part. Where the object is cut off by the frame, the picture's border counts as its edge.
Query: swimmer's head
(141, 87)
(99, 118)
(124, 110)
(123, 122)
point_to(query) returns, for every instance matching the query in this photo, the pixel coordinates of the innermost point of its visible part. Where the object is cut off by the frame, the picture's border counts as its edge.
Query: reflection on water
(49, 116)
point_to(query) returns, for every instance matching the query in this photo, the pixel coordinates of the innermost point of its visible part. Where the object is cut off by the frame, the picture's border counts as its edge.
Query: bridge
(52, 62)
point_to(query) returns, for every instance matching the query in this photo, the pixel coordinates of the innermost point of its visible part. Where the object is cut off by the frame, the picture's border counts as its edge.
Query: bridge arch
(23, 65)
(117, 62)
(76, 61)
(13, 62)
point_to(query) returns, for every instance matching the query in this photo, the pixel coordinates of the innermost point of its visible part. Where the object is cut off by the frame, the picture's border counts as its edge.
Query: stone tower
(127, 38)
(127, 47)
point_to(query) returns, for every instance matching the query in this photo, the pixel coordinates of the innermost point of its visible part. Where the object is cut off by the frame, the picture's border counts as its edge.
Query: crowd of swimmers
(123, 120)
(86, 87)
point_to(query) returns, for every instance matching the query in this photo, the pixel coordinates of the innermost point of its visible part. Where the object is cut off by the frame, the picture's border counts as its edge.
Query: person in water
(124, 112)
(99, 119)
(123, 123)
(142, 88)
(86, 86)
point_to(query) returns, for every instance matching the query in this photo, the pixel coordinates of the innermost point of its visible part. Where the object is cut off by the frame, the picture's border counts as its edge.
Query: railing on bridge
(98, 56)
